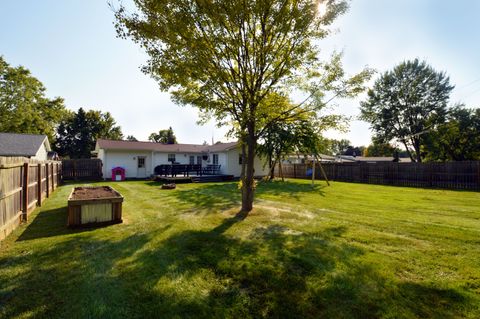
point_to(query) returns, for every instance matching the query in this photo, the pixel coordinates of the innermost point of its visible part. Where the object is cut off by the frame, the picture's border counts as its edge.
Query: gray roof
(14, 144)
(166, 148)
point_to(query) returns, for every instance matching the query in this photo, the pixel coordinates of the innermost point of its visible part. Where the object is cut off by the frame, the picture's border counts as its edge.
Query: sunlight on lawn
(348, 250)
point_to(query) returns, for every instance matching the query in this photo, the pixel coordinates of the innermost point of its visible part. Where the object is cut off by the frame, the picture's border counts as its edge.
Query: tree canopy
(164, 137)
(380, 149)
(338, 147)
(458, 139)
(299, 136)
(24, 108)
(227, 58)
(405, 103)
(78, 132)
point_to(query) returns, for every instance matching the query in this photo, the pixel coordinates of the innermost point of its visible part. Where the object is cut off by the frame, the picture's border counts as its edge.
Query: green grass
(344, 251)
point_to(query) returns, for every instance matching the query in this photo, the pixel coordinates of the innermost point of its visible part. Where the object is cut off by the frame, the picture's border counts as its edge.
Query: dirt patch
(94, 192)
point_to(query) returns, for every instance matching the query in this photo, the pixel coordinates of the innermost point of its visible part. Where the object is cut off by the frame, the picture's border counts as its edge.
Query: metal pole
(313, 172)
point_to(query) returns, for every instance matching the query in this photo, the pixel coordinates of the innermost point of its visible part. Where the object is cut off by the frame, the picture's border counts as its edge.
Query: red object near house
(118, 174)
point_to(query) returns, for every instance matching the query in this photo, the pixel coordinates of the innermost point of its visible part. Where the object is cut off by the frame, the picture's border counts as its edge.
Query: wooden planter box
(94, 206)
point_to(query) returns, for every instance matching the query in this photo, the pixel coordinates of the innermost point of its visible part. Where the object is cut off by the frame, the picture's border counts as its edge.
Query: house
(302, 159)
(139, 159)
(33, 146)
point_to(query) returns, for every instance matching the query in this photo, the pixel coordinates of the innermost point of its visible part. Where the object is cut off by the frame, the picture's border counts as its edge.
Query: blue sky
(71, 46)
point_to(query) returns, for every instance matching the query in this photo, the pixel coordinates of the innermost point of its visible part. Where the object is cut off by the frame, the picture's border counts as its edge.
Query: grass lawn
(344, 251)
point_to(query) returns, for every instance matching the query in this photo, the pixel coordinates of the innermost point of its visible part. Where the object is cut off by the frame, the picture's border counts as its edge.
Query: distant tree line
(163, 136)
(406, 106)
(24, 108)
(410, 105)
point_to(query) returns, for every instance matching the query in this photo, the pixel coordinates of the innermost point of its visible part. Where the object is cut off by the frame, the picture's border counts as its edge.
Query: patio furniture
(212, 169)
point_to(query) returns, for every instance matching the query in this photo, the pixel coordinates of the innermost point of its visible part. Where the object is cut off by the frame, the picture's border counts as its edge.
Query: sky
(72, 48)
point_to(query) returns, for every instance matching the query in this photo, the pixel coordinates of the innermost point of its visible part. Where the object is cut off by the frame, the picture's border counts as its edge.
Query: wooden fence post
(53, 182)
(294, 170)
(25, 192)
(74, 170)
(47, 185)
(39, 185)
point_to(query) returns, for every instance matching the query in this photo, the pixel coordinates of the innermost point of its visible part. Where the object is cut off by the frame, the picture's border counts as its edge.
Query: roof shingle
(158, 147)
(14, 144)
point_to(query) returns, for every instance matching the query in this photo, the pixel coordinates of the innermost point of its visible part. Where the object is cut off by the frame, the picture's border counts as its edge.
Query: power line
(468, 84)
(471, 93)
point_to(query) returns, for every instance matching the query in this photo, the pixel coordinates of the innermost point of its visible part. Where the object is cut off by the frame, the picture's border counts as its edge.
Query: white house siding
(235, 169)
(223, 161)
(127, 160)
(228, 161)
(181, 158)
(42, 153)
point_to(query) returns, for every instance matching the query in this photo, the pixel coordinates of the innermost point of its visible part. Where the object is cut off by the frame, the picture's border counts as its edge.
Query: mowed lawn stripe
(348, 251)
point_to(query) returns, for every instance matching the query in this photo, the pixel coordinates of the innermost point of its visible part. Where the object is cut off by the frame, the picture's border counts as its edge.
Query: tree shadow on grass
(227, 195)
(49, 223)
(72, 278)
(289, 189)
(274, 272)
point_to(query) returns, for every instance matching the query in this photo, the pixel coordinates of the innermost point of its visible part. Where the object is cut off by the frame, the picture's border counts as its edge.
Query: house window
(215, 159)
(199, 160)
(171, 158)
(141, 162)
(192, 160)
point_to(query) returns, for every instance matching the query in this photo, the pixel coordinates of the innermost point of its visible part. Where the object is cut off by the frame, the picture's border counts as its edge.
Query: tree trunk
(248, 188)
(416, 145)
(272, 169)
(408, 151)
(280, 168)
(242, 173)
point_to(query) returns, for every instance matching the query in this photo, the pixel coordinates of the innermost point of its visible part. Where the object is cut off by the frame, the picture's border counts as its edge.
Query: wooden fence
(82, 169)
(449, 175)
(24, 184)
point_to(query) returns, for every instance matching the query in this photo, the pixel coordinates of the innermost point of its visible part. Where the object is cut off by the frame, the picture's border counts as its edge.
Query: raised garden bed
(94, 206)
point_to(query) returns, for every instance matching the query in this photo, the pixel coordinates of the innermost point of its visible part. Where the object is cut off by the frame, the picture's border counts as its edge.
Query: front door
(141, 169)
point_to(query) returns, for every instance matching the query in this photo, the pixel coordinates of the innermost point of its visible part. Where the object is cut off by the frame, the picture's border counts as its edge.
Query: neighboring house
(302, 159)
(139, 159)
(33, 146)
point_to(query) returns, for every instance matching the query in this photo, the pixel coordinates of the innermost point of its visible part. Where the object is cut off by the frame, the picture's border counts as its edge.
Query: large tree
(405, 103)
(299, 136)
(338, 147)
(78, 133)
(131, 138)
(380, 149)
(458, 139)
(227, 57)
(24, 108)
(164, 136)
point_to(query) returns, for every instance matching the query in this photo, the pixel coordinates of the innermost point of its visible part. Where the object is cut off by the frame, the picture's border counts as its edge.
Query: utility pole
(313, 171)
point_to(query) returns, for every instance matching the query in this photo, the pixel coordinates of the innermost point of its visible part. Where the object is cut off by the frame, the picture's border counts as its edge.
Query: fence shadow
(49, 223)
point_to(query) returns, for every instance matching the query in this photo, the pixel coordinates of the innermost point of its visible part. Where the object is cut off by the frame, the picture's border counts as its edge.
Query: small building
(139, 159)
(34, 146)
